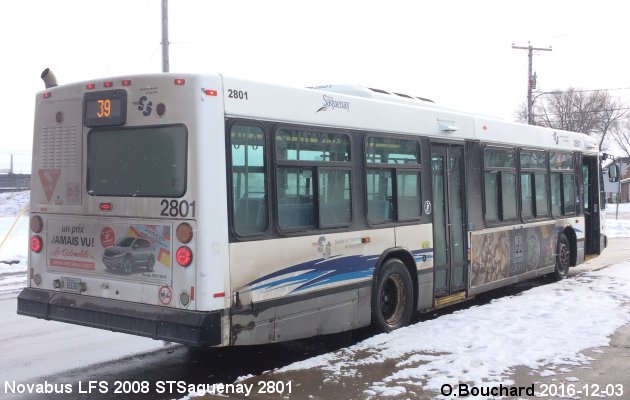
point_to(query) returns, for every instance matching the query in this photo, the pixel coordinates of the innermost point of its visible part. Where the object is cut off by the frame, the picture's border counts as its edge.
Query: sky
(458, 53)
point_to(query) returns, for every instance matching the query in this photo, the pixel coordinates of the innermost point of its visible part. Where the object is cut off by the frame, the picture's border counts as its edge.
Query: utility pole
(165, 66)
(531, 79)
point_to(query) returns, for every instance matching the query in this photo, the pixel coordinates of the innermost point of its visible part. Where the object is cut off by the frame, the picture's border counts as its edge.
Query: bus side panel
(501, 256)
(419, 240)
(281, 293)
(207, 174)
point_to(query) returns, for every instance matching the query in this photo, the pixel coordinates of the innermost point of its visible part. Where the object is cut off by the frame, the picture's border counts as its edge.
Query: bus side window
(500, 184)
(393, 179)
(562, 184)
(249, 190)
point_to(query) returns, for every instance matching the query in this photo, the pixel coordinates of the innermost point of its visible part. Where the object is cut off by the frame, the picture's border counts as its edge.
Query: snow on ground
(611, 209)
(14, 242)
(12, 202)
(550, 324)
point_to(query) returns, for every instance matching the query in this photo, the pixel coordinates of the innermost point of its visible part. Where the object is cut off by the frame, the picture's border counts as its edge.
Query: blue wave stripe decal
(324, 271)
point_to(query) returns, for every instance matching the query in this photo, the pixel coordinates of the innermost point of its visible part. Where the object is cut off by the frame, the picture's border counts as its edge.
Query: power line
(582, 90)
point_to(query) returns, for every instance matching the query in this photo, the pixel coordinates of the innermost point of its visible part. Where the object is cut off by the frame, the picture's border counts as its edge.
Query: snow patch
(484, 343)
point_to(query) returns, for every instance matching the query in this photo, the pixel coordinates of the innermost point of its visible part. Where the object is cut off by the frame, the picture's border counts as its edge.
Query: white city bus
(207, 210)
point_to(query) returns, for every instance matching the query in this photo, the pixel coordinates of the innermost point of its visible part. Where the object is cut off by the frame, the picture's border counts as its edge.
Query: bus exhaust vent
(59, 147)
(49, 78)
(361, 91)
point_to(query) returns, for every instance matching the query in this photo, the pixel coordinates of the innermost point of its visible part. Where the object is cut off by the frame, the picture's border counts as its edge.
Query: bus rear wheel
(392, 299)
(563, 258)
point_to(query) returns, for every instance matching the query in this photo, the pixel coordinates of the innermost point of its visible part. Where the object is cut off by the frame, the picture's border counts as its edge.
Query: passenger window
(563, 192)
(249, 190)
(393, 179)
(314, 180)
(500, 184)
(534, 191)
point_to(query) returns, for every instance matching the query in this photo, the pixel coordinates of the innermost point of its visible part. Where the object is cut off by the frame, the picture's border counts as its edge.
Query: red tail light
(36, 244)
(184, 256)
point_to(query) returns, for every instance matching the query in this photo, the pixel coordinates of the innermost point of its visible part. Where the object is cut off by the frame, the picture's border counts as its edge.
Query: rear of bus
(116, 238)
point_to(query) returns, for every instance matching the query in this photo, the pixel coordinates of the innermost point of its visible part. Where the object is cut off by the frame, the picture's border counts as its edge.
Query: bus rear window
(143, 162)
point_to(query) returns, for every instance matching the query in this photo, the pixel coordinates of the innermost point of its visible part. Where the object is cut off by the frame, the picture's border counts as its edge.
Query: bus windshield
(143, 162)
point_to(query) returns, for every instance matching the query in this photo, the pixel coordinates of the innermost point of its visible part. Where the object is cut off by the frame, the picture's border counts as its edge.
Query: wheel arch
(569, 232)
(404, 255)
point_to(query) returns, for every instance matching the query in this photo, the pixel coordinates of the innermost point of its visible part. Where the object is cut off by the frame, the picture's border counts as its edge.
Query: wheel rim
(127, 265)
(564, 259)
(392, 299)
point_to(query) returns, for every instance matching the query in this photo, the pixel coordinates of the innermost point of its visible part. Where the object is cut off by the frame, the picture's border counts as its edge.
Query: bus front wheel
(563, 258)
(392, 299)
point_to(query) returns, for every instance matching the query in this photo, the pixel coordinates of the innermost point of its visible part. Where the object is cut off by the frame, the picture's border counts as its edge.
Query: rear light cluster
(36, 243)
(184, 255)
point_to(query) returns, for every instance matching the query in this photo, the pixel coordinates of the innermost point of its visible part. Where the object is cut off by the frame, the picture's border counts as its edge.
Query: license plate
(72, 285)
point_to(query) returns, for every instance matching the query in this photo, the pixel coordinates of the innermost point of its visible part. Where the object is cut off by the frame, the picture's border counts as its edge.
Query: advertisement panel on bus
(134, 252)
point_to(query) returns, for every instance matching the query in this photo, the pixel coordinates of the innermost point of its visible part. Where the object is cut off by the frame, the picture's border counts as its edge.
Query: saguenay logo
(330, 103)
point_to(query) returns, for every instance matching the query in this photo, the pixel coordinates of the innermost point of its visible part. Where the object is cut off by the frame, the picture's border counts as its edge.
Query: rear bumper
(181, 326)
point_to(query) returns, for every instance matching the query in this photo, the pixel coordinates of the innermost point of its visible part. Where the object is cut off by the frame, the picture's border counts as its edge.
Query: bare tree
(621, 135)
(595, 113)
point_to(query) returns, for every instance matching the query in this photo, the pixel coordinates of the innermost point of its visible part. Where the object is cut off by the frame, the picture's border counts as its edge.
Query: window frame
(129, 129)
(563, 173)
(316, 167)
(393, 169)
(500, 221)
(230, 181)
(532, 172)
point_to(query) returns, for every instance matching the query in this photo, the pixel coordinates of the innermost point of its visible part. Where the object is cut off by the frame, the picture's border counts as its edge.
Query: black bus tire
(392, 298)
(563, 258)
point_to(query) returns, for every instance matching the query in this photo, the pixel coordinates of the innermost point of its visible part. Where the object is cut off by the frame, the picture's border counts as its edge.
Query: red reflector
(211, 92)
(180, 81)
(192, 293)
(47, 95)
(106, 206)
(183, 256)
(90, 86)
(36, 244)
(126, 82)
(108, 84)
(222, 294)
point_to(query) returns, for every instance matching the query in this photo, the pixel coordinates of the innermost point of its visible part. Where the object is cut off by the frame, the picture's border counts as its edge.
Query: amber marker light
(36, 223)
(184, 232)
